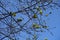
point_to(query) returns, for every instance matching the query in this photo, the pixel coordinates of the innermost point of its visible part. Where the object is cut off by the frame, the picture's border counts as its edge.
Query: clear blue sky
(52, 20)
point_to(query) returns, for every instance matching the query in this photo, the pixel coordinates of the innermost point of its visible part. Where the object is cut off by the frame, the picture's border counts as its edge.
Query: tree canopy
(28, 17)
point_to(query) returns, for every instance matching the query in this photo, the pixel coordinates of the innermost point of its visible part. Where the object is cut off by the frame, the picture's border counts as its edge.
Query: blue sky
(52, 20)
(55, 22)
